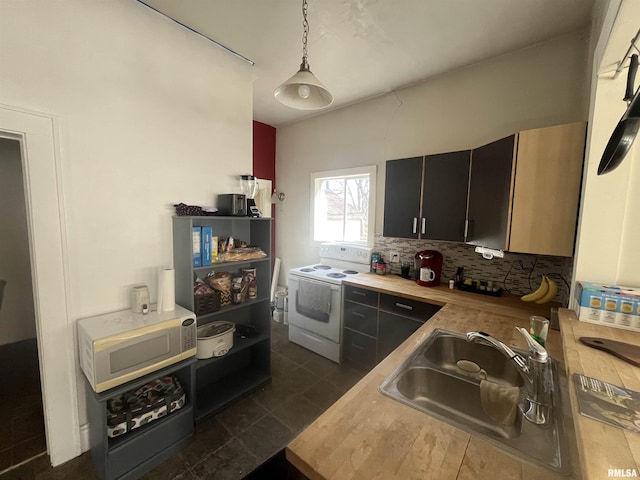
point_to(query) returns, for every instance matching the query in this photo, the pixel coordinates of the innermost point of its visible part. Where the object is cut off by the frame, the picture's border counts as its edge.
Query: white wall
(609, 231)
(148, 115)
(543, 85)
(17, 318)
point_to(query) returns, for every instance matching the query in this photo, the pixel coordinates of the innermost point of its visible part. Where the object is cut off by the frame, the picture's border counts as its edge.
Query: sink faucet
(534, 370)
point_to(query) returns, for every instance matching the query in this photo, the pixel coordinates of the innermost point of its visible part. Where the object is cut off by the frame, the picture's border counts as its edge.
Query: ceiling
(361, 49)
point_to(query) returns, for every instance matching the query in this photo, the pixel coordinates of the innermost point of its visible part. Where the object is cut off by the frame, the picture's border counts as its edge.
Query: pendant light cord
(305, 33)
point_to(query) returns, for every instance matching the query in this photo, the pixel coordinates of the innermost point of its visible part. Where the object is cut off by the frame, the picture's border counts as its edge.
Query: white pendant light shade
(303, 91)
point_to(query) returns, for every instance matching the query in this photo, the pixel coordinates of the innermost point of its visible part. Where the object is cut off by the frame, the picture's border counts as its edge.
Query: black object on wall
(625, 132)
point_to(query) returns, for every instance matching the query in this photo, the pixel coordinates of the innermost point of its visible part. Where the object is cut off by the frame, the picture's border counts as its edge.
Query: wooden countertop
(601, 447)
(509, 305)
(366, 435)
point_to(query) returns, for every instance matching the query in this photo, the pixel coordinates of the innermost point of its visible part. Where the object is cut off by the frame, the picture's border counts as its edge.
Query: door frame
(42, 177)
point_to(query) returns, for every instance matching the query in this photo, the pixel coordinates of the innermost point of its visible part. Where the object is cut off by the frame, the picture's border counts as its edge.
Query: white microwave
(118, 347)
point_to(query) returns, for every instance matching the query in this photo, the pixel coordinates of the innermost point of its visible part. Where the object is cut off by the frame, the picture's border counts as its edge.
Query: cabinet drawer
(393, 331)
(408, 308)
(130, 452)
(361, 318)
(359, 349)
(361, 295)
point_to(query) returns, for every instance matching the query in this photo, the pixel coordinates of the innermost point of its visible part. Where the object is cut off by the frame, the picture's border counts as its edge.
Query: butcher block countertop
(509, 305)
(601, 447)
(366, 435)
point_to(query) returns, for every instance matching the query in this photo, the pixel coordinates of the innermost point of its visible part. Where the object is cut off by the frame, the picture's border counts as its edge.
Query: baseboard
(84, 438)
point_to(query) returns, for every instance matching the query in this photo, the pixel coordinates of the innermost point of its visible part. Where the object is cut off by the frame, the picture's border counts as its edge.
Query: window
(343, 205)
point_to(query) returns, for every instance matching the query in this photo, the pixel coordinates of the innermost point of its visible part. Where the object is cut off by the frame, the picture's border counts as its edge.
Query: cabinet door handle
(415, 224)
(358, 314)
(361, 294)
(354, 345)
(402, 305)
(424, 225)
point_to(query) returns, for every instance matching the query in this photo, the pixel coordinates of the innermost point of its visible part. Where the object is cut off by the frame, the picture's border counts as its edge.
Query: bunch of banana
(544, 293)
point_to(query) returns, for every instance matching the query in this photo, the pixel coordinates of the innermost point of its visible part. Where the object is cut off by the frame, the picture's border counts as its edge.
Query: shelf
(206, 268)
(220, 381)
(138, 382)
(231, 308)
(131, 455)
(216, 396)
(239, 344)
(223, 217)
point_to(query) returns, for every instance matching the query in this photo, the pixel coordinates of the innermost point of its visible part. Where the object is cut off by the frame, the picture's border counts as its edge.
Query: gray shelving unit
(134, 453)
(221, 381)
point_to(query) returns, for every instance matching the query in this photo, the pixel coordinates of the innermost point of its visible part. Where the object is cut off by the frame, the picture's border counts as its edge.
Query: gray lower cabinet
(359, 348)
(132, 454)
(374, 324)
(393, 330)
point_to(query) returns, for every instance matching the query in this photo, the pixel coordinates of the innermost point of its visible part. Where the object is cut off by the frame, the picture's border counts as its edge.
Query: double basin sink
(431, 380)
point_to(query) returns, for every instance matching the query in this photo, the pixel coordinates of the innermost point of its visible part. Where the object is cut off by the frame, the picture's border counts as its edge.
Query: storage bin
(146, 404)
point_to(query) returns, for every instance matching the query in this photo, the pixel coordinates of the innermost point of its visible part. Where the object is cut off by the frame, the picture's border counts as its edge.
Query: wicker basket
(225, 297)
(207, 303)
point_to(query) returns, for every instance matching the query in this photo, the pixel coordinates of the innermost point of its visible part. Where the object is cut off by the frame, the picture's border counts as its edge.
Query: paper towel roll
(167, 290)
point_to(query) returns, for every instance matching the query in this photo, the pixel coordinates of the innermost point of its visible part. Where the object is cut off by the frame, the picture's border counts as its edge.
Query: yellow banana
(539, 293)
(553, 289)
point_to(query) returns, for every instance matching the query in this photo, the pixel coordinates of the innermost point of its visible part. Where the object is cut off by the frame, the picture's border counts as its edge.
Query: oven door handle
(295, 278)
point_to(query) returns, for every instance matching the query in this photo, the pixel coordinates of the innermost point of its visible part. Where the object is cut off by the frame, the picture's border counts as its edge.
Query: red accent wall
(264, 165)
(264, 151)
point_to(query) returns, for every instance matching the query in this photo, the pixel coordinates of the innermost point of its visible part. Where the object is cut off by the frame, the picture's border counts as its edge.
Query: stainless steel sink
(431, 381)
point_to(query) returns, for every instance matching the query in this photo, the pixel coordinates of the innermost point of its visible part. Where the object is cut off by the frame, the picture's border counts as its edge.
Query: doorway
(37, 135)
(22, 433)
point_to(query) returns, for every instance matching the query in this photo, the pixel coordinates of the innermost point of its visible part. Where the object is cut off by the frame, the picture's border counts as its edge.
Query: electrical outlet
(394, 257)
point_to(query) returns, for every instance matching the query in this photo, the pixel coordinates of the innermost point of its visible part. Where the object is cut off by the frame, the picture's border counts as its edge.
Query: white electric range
(315, 297)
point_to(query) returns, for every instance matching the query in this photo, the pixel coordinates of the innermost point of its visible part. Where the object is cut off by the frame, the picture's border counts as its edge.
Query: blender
(249, 187)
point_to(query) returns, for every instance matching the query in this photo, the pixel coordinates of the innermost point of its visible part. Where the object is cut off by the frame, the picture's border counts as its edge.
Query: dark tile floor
(246, 440)
(21, 420)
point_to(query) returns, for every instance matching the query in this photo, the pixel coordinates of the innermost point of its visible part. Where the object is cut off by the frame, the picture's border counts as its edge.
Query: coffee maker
(249, 187)
(428, 265)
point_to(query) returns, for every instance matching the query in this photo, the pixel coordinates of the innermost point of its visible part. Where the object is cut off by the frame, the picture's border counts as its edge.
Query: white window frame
(317, 177)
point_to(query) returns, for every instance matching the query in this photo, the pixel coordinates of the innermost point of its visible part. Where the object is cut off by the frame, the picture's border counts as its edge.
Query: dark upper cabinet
(426, 197)
(517, 194)
(444, 197)
(490, 193)
(403, 184)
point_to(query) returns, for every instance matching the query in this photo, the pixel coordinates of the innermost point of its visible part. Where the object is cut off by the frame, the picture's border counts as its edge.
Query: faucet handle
(537, 351)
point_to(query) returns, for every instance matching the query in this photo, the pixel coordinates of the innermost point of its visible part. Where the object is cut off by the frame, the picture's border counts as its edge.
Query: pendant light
(304, 91)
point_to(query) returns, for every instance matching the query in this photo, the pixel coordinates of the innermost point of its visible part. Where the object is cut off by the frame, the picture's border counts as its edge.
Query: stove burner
(349, 272)
(307, 269)
(336, 275)
(322, 267)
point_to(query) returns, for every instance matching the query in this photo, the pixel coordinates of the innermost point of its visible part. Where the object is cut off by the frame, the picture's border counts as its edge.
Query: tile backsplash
(516, 273)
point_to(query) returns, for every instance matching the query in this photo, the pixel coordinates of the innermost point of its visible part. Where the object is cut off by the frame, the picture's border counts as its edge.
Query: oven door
(327, 326)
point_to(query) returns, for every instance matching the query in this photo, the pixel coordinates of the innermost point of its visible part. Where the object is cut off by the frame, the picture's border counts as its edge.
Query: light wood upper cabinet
(546, 190)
